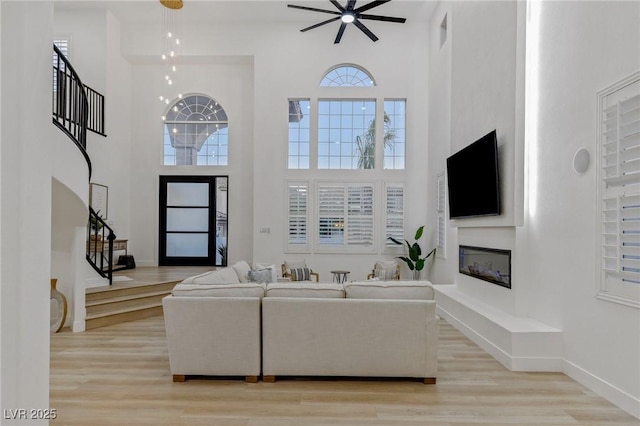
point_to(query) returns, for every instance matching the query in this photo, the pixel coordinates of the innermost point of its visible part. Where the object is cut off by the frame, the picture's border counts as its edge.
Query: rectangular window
(299, 131)
(297, 217)
(58, 66)
(394, 216)
(394, 133)
(346, 217)
(619, 192)
(346, 134)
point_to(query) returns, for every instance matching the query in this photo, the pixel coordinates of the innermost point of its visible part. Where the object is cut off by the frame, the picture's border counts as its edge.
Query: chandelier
(170, 33)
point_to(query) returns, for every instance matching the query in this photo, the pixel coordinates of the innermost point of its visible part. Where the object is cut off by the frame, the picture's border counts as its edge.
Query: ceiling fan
(350, 14)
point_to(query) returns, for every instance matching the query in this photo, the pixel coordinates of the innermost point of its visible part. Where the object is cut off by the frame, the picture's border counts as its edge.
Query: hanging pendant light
(170, 34)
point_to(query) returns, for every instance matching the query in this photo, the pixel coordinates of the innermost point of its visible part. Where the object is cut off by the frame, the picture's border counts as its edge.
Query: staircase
(113, 305)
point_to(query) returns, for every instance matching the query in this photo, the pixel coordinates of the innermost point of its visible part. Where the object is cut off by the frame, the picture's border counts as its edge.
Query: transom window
(196, 133)
(347, 76)
(394, 133)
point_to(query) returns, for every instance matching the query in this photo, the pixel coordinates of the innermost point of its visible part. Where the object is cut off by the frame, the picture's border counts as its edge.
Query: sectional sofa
(249, 329)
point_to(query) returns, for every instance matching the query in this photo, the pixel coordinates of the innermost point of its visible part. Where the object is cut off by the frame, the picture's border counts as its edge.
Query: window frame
(167, 122)
(298, 157)
(340, 117)
(345, 247)
(614, 187)
(389, 247)
(307, 216)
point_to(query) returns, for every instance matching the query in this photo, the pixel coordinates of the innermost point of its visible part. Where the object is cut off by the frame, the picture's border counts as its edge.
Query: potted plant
(415, 260)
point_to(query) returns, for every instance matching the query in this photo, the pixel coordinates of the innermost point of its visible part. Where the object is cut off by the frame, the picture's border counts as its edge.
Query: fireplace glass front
(493, 265)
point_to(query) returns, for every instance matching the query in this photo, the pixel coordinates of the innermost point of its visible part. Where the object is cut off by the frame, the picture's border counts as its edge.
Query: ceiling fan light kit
(349, 14)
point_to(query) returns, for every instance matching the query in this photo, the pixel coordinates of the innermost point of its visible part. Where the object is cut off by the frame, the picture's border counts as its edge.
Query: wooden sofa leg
(179, 378)
(251, 379)
(269, 379)
(429, 381)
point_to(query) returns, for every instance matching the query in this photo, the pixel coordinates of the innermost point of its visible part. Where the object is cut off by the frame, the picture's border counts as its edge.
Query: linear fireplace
(489, 264)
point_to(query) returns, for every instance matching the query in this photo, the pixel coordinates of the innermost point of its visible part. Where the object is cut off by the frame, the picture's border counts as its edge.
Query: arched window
(347, 76)
(196, 133)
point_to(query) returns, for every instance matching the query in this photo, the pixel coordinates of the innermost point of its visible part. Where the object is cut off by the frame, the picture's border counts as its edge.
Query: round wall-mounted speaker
(581, 160)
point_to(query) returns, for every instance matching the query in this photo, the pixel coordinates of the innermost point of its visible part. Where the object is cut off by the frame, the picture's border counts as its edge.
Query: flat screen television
(473, 179)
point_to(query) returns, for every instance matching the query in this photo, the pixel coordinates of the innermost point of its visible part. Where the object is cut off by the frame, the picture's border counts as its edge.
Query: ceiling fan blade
(320, 24)
(371, 5)
(343, 26)
(382, 18)
(333, 12)
(351, 4)
(337, 5)
(365, 30)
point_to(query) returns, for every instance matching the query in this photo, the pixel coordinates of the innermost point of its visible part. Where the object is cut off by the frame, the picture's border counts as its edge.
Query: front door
(193, 221)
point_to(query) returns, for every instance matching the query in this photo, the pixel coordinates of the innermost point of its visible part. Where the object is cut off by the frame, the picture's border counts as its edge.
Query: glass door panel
(193, 220)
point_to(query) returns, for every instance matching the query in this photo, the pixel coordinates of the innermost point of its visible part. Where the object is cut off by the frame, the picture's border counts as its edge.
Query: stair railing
(100, 239)
(76, 107)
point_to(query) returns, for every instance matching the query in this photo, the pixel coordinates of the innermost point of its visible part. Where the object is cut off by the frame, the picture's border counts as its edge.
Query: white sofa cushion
(413, 290)
(242, 268)
(219, 290)
(305, 289)
(219, 276)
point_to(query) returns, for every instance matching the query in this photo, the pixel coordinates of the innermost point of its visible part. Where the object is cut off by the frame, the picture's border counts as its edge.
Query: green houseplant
(415, 260)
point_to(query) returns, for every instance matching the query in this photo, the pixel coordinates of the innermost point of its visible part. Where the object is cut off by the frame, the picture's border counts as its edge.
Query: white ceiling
(265, 11)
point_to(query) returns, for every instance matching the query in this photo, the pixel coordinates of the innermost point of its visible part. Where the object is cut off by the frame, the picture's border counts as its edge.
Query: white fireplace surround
(518, 343)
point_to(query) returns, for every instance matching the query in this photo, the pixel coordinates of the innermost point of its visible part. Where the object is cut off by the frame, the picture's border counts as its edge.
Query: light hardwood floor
(119, 375)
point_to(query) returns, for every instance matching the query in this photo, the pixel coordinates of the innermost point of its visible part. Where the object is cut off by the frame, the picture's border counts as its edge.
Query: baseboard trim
(78, 326)
(604, 389)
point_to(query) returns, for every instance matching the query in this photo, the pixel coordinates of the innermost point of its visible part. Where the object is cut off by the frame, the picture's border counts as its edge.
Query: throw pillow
(260, 276)
(301, 274)
(272, 268)
(242, 268)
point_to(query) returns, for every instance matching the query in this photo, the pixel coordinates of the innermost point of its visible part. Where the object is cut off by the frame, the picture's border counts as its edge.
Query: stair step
(115, 304)
(124, 315)
(101, 293)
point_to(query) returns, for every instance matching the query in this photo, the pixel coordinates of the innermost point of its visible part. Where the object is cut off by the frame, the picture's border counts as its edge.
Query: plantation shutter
(620, 191)
(298, 217)
(360, 216)
(346, 217)
(331, 215)
(394, 214)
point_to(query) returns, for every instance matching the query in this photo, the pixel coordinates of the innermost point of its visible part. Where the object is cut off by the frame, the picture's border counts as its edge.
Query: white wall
(549, 223)
(250, 73)
(285, 73)
(231, 84)
(42, 171)
(444, 267)
(596, 43)
(26, 204)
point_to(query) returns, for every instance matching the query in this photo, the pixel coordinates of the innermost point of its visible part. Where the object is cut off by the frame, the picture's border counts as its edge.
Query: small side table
(340, 276)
